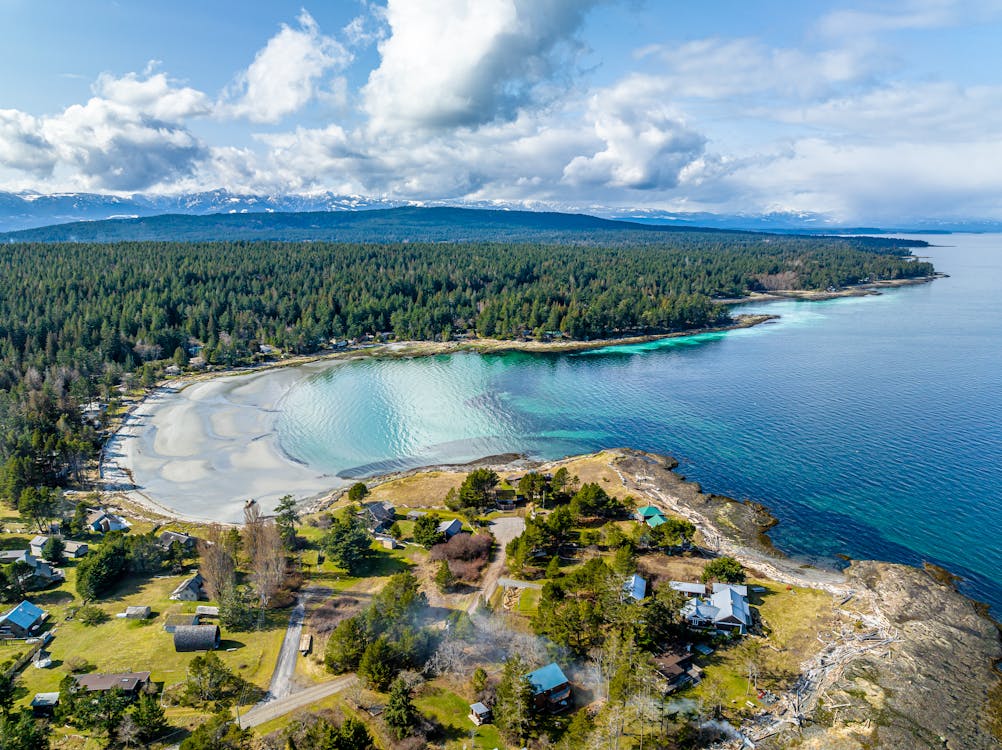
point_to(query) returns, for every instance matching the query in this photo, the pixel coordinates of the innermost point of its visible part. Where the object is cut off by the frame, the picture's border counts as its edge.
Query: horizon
(851, 113)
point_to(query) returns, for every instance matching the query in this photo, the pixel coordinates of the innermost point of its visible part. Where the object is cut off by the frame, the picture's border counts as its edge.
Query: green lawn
(120, 645)
(452, 712)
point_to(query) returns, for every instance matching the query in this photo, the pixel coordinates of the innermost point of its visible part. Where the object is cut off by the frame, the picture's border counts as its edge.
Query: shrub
(77, 665)
(91, 615)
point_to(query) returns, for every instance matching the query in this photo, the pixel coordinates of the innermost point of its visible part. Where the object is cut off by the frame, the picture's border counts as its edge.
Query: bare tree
(218, 567)
(267, 561)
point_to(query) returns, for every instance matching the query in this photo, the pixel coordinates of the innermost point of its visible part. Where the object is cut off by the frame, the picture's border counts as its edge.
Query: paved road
(504, 530)
(272, 709)
(285, 667)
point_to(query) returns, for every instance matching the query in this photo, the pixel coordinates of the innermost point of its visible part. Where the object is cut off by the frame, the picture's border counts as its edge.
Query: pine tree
(513, 701)
(444, 577)
(400, 714)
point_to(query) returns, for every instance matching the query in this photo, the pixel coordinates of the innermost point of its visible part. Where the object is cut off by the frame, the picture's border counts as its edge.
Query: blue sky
(862, 111)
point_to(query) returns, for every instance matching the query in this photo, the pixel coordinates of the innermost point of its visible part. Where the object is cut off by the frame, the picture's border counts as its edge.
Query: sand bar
(200, 450)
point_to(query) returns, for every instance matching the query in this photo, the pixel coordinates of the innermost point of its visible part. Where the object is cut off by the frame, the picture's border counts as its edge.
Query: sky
(859, 111)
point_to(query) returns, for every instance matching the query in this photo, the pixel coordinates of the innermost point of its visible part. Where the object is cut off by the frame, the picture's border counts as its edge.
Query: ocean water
(872, 427)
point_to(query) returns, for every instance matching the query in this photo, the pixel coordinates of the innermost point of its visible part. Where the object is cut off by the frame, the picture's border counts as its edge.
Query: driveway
(504, 530)
(285, 667)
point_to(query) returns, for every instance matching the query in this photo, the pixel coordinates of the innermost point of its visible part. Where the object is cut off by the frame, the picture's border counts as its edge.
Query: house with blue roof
(551, 689)
(635, 587)
(23, 620)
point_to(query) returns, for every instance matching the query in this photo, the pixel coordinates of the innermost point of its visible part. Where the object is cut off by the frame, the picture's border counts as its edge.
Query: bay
(872, 427)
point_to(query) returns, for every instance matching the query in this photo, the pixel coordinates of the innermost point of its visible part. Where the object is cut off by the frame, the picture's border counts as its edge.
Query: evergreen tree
(513, 702)
(149, 717)
(358, 492)
(444, 577)
(400, 714)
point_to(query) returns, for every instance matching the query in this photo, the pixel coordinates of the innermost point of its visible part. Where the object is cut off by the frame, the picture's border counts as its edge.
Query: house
(39, 575)
(23, 620)
(138, 613)
(75, 550)
(551, 690)
(44, 704)
(388, 542)
(689, 589)
(196, 637)
(635, 587)
(203, 610)
(650, 515)
(676, 669)
(725, 609)
(173, 622)
(130, 683)
(190, 590)
(505, 502)
(381, 515)
(167, 538)
(450, 528)
(480, 714)
(101, 521)
(36, 544)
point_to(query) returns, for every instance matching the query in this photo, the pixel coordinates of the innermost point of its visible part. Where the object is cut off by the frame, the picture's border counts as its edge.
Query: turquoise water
(872, 427)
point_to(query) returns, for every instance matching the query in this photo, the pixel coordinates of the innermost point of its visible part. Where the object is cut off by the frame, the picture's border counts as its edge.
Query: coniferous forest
(76, 320)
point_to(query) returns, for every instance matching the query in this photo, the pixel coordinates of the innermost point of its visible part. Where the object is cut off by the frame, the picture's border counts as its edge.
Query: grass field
(451, 711)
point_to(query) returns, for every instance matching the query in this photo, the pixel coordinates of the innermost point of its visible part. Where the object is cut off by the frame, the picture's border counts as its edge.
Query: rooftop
(127, 681)
(546, 678)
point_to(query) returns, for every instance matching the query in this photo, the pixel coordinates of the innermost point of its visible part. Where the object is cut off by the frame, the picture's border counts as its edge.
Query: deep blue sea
(872, 427)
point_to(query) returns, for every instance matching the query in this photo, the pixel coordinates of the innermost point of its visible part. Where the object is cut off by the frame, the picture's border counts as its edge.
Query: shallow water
(872, 427)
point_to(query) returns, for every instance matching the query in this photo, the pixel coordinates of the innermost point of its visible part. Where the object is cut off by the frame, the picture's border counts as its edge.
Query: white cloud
(646, 144)
(287, 73)
(129, 136)
(908, 15)
(22, 145)
(464, 63)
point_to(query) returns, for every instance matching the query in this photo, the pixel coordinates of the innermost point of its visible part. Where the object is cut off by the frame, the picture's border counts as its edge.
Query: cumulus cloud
(22, 145)
(646, 145)
(287, 73)
(464, 63)
(129, 136)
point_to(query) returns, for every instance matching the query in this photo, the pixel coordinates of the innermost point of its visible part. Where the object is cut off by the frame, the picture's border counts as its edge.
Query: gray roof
(196, 637)
(636, 587)
(452, 526)
(742, 590)
(127, 681)
(45, 699)
(688, 588)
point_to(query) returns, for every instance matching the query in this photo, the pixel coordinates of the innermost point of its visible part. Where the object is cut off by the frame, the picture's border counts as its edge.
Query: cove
(871, 427)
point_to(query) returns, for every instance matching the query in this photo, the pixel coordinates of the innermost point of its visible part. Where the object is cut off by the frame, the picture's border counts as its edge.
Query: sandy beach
(199, 450)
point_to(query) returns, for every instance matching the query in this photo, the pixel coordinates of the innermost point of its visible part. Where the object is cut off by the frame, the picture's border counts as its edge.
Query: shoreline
(175, 450)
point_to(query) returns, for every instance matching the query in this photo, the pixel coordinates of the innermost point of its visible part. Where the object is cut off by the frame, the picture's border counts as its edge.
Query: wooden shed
(196, 637)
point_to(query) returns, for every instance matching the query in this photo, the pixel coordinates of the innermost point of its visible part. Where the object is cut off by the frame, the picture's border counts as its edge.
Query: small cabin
(23, 621)
(43, 705)
(480, 714)
(190, 590)
(138, 613)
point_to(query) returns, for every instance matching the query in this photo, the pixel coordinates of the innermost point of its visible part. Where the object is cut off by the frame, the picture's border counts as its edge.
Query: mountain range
(28, 210)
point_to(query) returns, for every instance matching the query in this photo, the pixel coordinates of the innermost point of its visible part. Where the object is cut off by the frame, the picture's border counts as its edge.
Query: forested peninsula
(80, 320)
